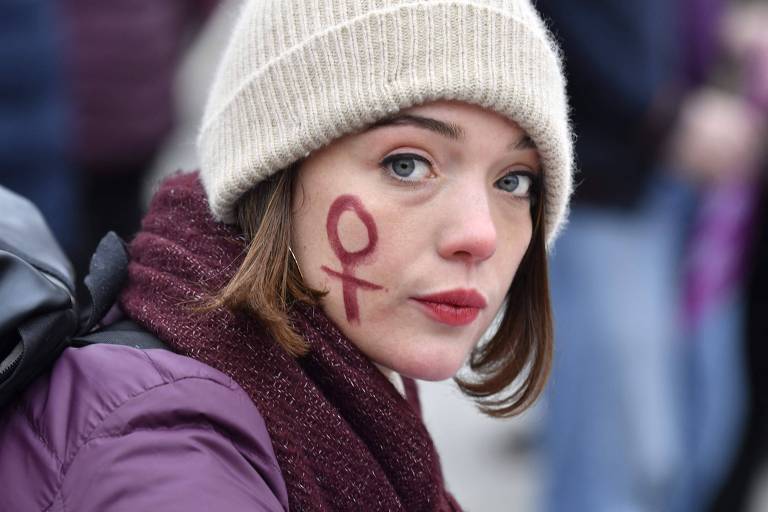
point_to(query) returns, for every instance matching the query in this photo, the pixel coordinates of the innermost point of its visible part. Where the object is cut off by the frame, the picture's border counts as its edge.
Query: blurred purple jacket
(113, 428)
(122, 58)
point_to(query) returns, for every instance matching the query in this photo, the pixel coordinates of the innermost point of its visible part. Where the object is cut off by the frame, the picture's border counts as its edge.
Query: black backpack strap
(38, 313)
(107, 274)
(123, 332)
(108, 271)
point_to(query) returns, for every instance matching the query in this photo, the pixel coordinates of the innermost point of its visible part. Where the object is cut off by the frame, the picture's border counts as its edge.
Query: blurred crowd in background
(86, 103)
(658, 399)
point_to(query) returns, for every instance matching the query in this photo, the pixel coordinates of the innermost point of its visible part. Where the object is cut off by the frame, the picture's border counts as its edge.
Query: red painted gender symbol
(350, 260)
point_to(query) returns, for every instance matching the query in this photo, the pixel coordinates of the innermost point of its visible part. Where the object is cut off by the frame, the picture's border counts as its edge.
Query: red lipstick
(453, 307)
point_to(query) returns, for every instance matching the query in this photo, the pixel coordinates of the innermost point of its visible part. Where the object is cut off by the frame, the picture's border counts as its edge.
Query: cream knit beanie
(298, 74)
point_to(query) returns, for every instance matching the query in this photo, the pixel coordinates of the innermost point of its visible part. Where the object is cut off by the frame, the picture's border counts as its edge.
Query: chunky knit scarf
(343, 436)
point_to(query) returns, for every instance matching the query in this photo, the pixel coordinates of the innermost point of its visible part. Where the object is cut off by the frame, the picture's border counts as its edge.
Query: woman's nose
(469, 235)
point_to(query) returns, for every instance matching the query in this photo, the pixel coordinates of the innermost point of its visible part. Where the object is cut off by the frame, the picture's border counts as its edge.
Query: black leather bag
(39, 316)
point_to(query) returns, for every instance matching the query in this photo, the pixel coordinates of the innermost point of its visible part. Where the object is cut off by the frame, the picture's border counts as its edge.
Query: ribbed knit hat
(298, 74)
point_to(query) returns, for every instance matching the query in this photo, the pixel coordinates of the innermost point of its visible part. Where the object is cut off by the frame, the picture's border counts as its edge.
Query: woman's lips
(452, 307)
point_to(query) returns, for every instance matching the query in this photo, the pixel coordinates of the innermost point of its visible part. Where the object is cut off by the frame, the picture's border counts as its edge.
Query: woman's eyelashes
(407, 167)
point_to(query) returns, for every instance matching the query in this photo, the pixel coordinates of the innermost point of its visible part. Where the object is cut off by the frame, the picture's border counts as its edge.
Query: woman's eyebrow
(524, 142)
(450, 130)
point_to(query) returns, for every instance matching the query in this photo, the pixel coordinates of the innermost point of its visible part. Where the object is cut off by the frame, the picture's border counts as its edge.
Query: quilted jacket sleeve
(118, 429)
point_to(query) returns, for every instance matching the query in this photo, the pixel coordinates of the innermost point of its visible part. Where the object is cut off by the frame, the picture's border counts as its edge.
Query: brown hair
(268, 281)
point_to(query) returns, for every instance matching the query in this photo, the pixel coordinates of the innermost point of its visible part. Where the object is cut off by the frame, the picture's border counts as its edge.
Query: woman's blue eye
(407, 167)
(517, 183)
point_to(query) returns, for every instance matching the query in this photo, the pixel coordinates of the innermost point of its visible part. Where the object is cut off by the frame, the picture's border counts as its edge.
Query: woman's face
(416, 227)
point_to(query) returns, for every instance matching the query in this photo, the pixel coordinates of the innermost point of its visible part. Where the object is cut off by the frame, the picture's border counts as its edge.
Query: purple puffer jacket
(114, 428)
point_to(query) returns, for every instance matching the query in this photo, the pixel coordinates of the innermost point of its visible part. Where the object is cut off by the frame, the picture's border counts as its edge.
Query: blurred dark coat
(121, 64)
(623, 71)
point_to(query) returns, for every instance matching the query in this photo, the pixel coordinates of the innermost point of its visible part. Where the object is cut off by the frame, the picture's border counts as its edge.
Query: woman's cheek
(351, 253)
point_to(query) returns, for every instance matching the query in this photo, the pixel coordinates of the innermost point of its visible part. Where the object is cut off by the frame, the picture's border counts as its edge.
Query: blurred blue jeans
(613, 436)
(714, 402)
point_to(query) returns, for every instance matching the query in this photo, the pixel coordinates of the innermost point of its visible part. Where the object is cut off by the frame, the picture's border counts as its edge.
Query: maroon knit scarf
(343, 436)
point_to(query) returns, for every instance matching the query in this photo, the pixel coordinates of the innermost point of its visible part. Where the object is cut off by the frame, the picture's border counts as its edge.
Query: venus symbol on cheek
(350, 260)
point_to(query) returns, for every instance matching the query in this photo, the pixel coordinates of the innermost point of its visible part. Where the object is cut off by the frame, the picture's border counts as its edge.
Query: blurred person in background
(194, 76)
(611, 424)
(121, 58)
(745, 45)
(645, 397)
(718, 145)
(34, 114)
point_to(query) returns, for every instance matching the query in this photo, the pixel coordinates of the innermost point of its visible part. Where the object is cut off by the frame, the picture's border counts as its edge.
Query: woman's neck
(393, 377)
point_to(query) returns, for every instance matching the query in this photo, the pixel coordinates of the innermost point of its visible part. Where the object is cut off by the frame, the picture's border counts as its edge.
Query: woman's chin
(437, 368)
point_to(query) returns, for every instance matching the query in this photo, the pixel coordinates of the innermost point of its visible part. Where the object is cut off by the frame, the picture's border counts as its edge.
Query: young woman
(379, 182)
